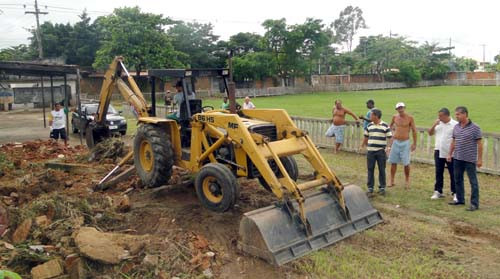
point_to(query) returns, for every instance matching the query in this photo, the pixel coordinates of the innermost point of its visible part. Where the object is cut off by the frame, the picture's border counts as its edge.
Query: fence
(316, 127)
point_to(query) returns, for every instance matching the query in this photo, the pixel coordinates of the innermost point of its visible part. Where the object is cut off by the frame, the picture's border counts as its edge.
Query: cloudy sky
(469, 24)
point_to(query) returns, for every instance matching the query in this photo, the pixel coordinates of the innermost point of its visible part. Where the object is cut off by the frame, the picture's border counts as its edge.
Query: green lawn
(423, 103)
(420, 238)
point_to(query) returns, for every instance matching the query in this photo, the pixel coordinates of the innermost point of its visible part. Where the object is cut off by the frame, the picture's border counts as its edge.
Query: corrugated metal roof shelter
(42, 70)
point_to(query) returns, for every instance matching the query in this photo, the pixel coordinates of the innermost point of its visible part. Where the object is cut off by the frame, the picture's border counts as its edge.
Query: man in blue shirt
(370, 104)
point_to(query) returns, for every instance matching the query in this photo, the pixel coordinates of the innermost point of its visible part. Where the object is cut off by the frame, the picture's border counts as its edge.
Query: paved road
(19, 126)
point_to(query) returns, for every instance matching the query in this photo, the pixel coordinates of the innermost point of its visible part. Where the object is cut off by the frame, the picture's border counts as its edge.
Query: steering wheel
(207, 108)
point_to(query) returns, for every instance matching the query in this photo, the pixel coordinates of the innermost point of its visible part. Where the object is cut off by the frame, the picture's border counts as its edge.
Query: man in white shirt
(248, 104)
(443, 129)
(57, 123)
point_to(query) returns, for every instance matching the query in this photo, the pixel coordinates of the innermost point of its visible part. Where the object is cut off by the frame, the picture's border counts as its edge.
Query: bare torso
(339, 116)
(402, 126)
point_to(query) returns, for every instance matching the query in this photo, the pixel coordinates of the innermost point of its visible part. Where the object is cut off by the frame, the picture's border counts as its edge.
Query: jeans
(459, 168)
(440, 165)
(378, 157)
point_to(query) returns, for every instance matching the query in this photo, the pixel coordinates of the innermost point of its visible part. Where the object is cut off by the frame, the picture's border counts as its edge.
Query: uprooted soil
(44, 210)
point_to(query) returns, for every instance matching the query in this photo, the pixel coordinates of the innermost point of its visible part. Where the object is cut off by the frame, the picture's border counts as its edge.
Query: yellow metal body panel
(231, 128)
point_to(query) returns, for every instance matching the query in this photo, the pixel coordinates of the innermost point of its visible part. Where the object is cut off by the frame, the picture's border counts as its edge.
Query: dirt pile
(53, 218)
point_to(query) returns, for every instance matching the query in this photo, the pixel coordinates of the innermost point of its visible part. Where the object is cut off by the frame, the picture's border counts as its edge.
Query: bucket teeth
(272, 234)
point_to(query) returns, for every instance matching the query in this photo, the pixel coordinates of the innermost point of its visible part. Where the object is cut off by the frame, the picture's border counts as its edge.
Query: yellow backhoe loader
(218, 146)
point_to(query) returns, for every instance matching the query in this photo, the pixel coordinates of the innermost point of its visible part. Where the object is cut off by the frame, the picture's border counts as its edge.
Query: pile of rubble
(53, 223)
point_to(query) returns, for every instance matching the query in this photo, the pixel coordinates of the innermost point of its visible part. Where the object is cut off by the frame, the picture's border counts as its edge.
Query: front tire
(216, 187)
(290, 166)
(153, 155)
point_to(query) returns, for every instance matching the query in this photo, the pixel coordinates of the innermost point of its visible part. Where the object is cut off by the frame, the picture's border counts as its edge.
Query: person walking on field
(377, 138)
(57, 124)
(466, 151)
(443, 129)
(401, 124)
(339, 112)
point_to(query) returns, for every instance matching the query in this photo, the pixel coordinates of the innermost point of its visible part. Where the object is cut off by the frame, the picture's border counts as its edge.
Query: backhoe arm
(132, 94)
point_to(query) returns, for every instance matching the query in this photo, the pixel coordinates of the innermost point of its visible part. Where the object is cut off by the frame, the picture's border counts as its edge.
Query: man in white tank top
(57, 124)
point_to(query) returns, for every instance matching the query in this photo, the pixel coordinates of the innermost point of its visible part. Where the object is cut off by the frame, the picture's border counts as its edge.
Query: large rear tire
(153, 155)
(216, 187)
(290, 166)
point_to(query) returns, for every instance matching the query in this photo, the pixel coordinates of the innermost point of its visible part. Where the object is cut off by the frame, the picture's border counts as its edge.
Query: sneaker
(369, 193)
(437, 195)
(381, 192)
(455, 198)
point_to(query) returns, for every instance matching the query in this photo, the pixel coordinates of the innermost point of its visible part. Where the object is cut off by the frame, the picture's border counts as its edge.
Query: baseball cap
(400, 104)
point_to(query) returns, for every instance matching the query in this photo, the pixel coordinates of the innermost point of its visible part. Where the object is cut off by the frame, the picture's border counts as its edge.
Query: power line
(38, 31)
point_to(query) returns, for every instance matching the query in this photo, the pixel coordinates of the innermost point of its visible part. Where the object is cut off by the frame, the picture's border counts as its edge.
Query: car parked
(114, 120)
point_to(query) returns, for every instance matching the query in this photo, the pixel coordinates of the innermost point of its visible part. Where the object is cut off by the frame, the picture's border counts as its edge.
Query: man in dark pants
(467, 151)
(377, 135)
(443, 131)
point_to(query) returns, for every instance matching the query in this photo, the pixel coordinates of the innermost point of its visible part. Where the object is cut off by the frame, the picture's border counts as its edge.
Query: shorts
(58, 132)
(400, 152)
(337, 132)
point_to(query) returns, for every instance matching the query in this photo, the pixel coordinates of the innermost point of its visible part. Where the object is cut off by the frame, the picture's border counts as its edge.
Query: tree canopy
(284, 52)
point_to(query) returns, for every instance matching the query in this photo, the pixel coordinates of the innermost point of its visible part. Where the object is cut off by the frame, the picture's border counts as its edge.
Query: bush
(409, 74)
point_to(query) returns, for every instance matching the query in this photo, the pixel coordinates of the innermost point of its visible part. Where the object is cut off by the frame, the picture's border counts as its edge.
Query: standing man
(57, 124)
(248, 104)
(443, 129)
(225, 104)
(339, 113)
(377, 136)
(401, 124)
(467, 152)
(370, 104)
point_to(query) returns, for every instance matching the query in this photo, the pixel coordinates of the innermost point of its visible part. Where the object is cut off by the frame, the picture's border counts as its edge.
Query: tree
(137, 36)
(347, 25)
(409, 74)
(245, 42)
(18, 53)
(253, 66)
(466, 64)
(198, 42)
(83, 44)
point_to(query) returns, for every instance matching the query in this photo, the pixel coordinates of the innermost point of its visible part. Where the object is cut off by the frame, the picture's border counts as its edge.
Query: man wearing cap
(401, 124)
(370, 104)
(339, 113)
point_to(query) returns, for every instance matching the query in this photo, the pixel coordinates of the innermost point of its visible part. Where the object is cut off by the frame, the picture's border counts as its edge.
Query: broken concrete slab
(47, 270)
(22, 231)
(109, 248)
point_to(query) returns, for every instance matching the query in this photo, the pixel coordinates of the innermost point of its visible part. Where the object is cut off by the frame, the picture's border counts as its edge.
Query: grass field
(423, 103)
(420, 238)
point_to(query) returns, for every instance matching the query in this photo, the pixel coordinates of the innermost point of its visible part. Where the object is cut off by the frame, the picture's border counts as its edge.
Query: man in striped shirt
(377, 139)
(467, 152)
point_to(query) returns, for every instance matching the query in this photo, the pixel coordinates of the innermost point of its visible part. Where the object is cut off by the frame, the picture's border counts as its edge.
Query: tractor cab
(189, 105)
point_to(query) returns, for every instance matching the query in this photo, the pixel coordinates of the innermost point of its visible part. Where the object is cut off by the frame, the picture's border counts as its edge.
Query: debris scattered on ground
(109, 149)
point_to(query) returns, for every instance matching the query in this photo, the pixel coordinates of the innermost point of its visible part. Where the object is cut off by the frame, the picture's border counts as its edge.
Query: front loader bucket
(271, 234)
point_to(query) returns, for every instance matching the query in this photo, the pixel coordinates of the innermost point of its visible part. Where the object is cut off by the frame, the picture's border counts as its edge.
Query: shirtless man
(339, 113)
(401, 124)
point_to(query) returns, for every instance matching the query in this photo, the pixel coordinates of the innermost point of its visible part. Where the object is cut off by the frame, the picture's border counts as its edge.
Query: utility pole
(484, 60)
(38, 32)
